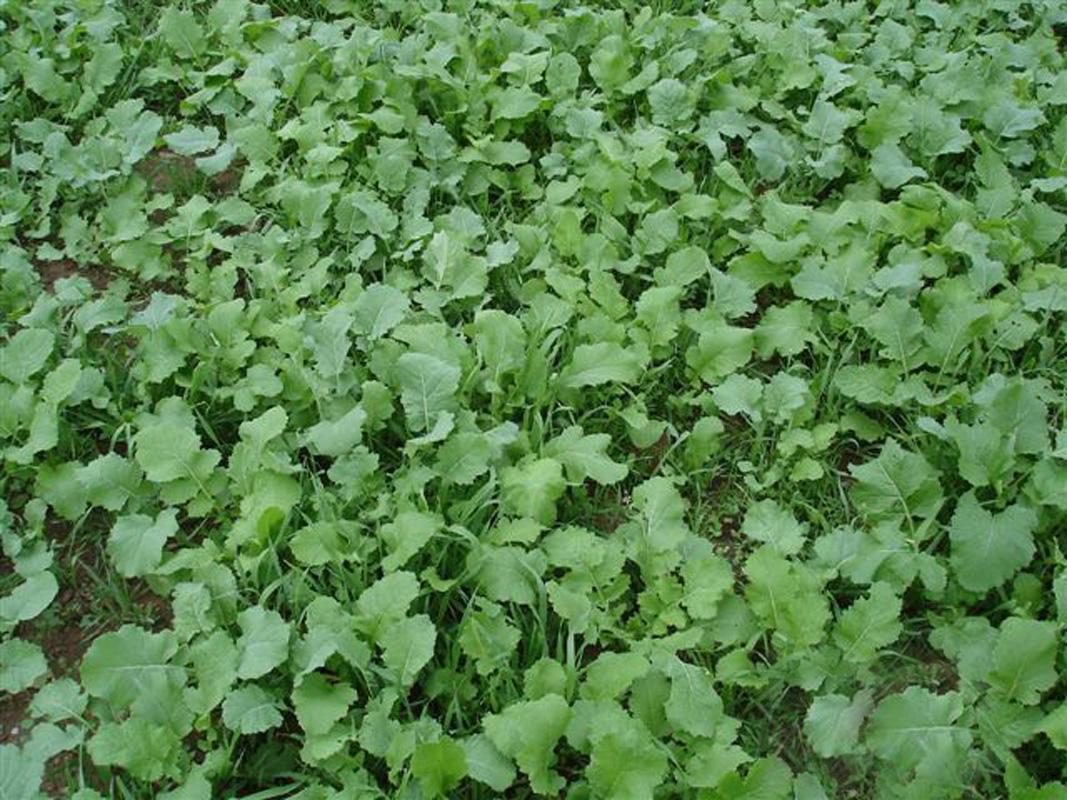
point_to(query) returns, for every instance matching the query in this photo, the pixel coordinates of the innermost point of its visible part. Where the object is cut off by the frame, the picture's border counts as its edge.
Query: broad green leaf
(22, 663)
(320, 703)
(136, 542)
(917, 727)
(407, 535)
(897, 484)
(596, 364)
(869, 624)
(1024, 659)
(28, 599)
(988, 549)
(582, 456)
(720, 352)
(533, 488)
(662, 514)
(182, 32)
(147, 750)
(25, 354)
(379, 309)
(264, 642)
(833, 723)
(439, 766)
(786, 597)
(407, 647)
(427, 387)
(131, 667)
(250, 710)
(528, 733)
(766, 521)
(191, 140)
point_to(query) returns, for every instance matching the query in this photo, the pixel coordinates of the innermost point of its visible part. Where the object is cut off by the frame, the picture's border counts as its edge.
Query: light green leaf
(1024, 659)
(596, 364)
(250, 710)
(528, 732)
(833, 723)
(869, 624)
(988, 549)
(532, 489)
(25, 353)
(191, 140)
(320, 703)
(427, 387)
(407, 647)
(264, 642)
(583, 456)
(439, 766)
(917, 726)
(766, 521)
(136, 542)
(21, 664)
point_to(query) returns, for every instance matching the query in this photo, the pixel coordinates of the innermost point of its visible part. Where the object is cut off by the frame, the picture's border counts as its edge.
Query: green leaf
(406, 535)
(786, 597)
(407, 647)
(20, 774)
(1024, 659)
(110, 481)
(379, 309)
(671, 101)
(181, 32)
(25, 354)
(693, 705)
(427, 387)
(486, 637)
(626, 764)
(136, 542)
(662, 513)
(892, 168)
(988, 549)
(250, 710)
(515, 102)
(486, 764)
(720, 351)
(786, 330)
(146, 750)
(264, 642)
(528, 732)
(596, 364)
(897, 484)
(869, 624)
(773, 152)
(833, 723)
(59, 700)
(28, 599)
(766, 521)
(532, 489)
(583, 456)
(767, 779)
(439, 766)
(319, 703)
(338, 437)
(168, 452)
(191, 140)
(21, 665)
(917, 727)
(132, 666)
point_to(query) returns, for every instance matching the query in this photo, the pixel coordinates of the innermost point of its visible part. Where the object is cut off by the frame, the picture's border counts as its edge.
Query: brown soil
(164, 169)
(12, 713)
(52, 271)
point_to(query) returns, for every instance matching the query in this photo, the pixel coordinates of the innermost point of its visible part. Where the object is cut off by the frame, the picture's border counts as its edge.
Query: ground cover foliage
(511, 399)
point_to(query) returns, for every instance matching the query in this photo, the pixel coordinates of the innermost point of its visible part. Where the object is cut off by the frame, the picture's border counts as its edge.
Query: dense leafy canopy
(534, 398)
